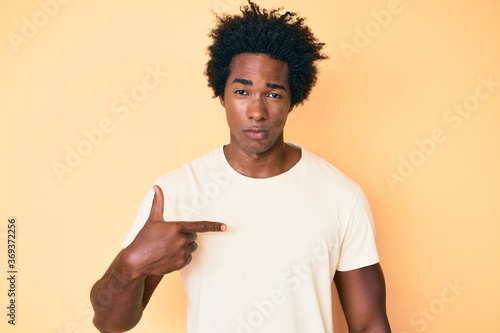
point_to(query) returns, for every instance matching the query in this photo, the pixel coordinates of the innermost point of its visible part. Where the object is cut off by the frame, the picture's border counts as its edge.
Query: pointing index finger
(201, 226)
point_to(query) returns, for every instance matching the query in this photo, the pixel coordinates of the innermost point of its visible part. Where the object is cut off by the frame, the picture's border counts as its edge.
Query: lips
(256, 133)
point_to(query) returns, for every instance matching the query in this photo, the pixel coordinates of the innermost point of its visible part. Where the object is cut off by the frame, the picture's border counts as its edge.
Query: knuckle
(181, 263)
(183, 260)
(181, 243)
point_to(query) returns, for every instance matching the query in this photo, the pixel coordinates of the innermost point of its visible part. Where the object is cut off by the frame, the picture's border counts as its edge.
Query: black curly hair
(283, 37)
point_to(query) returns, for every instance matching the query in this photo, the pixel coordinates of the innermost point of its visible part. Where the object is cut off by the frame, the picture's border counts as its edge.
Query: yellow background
(436, 226)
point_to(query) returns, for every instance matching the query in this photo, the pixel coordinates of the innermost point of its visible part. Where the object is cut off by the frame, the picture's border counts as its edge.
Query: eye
(274, 95)
(240, 92)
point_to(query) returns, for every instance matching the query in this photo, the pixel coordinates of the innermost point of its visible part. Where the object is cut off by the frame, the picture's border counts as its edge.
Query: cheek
(279, 119)
(232, 115)
(235, 108)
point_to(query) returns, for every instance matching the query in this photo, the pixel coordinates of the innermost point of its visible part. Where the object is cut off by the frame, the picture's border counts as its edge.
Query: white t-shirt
(272, 269)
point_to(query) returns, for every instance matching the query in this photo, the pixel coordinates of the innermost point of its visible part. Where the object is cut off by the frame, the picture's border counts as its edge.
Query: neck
(277, 160)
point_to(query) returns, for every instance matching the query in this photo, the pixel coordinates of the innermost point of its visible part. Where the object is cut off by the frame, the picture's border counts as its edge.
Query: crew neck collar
(288, 173)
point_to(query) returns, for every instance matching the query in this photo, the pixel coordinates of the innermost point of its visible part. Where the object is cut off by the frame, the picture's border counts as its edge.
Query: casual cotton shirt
(272, 269)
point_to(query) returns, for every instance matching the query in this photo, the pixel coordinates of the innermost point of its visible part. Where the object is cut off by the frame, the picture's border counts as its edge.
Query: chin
(257, 149)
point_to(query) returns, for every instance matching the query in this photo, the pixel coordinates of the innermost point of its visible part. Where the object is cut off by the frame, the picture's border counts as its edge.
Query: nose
(257, 109)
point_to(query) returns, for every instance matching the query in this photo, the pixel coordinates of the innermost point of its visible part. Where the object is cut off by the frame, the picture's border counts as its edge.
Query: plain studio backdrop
(98, 98)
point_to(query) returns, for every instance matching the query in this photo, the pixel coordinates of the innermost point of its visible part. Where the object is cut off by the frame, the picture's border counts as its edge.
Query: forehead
(258, 67)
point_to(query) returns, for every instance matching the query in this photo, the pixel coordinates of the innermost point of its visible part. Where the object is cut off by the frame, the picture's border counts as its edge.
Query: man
(288, 224)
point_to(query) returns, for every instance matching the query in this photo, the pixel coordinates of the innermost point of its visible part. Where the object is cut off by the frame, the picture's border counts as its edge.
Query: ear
(291, 108)
(221, 100)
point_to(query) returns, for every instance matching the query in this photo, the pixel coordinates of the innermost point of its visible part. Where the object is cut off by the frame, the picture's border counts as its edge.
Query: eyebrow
(269, 85)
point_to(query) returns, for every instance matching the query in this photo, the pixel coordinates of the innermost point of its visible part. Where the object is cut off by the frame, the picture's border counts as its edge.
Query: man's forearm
(374, 330)
(379, 328)
(117, 300)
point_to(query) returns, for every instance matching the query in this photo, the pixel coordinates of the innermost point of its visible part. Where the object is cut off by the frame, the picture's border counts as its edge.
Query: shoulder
(325, 172)
(192, 170)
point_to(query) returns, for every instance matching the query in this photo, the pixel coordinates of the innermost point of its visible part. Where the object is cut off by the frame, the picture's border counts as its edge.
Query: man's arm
(120, 296)
(362, 296)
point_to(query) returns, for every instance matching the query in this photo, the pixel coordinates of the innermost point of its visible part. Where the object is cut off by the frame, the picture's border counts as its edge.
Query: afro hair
(283, 37)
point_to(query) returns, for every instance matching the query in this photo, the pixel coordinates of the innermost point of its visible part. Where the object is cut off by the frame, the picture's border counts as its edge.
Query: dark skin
(120, 296)
(362, 296)
(257, 102)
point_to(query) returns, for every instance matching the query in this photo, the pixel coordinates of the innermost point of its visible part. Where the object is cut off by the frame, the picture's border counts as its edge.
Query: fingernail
(223, 227)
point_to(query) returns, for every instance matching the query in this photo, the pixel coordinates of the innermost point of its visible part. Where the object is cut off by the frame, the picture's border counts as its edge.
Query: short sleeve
(358, 248)
(140, 219)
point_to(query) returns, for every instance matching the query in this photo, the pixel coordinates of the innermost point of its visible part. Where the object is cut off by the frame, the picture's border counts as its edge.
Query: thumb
(157, 206)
